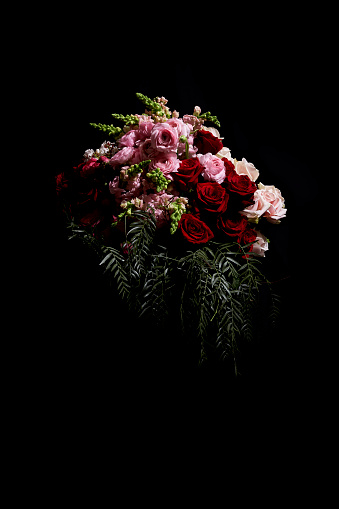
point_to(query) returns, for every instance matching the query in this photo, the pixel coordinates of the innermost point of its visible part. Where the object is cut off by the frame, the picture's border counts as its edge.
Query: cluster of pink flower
(180, 169)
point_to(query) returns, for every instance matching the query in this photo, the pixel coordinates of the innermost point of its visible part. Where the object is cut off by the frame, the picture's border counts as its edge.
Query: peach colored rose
(245, 168)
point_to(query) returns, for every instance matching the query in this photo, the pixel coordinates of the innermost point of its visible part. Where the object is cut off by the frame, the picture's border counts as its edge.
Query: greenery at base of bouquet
(214, 289)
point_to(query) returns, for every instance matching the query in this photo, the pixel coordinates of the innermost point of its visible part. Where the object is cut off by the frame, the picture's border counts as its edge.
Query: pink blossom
(164, 138)
(214, 168)
(167, 162)
(276, 210)
(181, 128)
(260, 245)
(122, 156)
(158, 202)
(255, 211)
(129, 139)
(145, 129)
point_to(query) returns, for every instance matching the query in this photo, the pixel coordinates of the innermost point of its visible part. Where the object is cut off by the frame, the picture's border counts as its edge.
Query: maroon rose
(188, 172)
(232, 226)
(62, 183)
(194, 230)
(228, 165)
(207, 142)
(247, 236)
(212, 196)
(240, 186)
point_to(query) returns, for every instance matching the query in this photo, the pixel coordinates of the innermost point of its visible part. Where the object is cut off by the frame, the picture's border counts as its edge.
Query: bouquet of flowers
(174, 218)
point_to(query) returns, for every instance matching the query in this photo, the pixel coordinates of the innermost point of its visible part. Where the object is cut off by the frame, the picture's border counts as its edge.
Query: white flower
(213, 131)
(245, 168)
(225, 152)
(88, 154)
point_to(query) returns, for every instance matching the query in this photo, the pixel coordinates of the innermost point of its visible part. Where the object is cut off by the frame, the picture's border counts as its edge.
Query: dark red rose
(228, 165)
(188, 172)
(240, 184)
(212, 196)
(232, 226)
(247, 236)
(62, 183)
(194, 230)
(89, 167)
(207, 142)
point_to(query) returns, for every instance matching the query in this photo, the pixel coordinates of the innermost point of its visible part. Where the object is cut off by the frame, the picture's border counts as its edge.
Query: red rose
(228, 165)
(239, 184)
(188, 173)
(194, 230)
(232, 226)
(247, 236)
(212, 196)
(206, 142)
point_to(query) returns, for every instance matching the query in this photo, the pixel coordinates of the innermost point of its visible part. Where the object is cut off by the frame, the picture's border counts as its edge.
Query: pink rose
(276, 210)
(167, 162)
(255, 211)
(164, 138)
(122, 156)
(214, 168)
(260, 245)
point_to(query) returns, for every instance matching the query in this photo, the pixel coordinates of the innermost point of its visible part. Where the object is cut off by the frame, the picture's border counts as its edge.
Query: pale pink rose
(129, 139)
(276, 210)
(122, 156)
(164, 138)
(245, 168)
(255, 211)
(214, 168)
(167, 162)
(260, 245)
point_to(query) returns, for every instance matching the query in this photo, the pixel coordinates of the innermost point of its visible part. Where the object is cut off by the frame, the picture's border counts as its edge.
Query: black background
(264, 81)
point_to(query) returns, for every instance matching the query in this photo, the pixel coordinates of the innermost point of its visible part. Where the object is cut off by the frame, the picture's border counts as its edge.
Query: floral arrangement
(175, 219)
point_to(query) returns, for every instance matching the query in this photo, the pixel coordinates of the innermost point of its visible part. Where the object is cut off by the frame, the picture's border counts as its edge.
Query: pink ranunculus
(129, 139)
(214, 167)
(272, 195)
(182, 128)
(164, 138)
(145, 129)
(167, 162)
(122, 156)
(146, 149)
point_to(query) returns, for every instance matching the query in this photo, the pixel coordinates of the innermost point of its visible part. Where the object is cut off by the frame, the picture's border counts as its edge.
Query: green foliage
(126, 119)
(210, 118)
(158, 178)
(108, 129)
(152, 105)
(213, 290)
